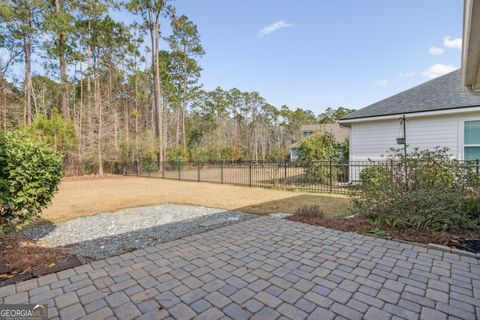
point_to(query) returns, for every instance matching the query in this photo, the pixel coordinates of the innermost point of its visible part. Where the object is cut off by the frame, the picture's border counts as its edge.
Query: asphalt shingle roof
(445, 92)
(339, 133)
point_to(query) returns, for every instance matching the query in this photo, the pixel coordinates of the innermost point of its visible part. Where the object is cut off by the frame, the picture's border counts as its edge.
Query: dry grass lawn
(83, 197)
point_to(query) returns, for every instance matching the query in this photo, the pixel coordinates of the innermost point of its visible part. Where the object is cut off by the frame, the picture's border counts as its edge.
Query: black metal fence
(73, 168)
(320, 176)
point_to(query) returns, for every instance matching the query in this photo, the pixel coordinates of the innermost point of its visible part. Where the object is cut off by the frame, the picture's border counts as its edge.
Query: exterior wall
(370, 140)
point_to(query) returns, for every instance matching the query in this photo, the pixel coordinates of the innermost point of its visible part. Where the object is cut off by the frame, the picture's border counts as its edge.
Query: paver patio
(264, 269)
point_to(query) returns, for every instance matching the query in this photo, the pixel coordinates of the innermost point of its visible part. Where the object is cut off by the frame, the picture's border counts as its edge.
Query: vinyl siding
(370, 140)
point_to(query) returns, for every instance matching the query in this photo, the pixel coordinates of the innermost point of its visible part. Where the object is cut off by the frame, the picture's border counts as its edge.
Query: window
(471, 141)
(307, 133)
(293, 154)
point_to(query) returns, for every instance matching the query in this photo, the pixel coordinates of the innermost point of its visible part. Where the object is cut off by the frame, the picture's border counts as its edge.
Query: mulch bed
(464, 240)
(22, 259)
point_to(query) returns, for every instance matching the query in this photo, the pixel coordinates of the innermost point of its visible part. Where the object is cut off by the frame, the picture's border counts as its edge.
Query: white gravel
(113, 233)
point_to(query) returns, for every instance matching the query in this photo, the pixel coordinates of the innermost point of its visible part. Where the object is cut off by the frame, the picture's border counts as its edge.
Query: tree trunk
(177, 127)
(89, 55)
(136, 118)
(4, 108)
(63, 73)
(115, 111)
(159, 93)
(127, 127)
(88, 111)
(184, 131)
(255, 144)
(164, 136)
(155, 106)
(34, 97)
(27, 112)
(98, 106)
(100, 130)
(184, 93)
(80, 117)
(158, 107)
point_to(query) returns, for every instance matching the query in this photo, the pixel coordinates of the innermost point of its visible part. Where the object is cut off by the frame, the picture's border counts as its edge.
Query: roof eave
(415, 114)
(471, 47)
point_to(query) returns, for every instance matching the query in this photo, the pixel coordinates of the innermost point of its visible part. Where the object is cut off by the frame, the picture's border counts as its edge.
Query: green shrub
(425, 189)
(315, 153)
(29, 176)
(53, 131)
(318, 146)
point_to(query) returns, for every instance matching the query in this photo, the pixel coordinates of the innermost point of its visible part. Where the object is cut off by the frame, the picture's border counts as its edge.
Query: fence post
(250, 174)
(198, 172)
(179, 171)
(285, 169)
(221, 172)
(136, 168)
(163, 169)
(331, 176)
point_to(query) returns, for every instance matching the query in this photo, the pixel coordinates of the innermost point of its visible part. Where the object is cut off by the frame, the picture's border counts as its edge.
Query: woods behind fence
(319, 176)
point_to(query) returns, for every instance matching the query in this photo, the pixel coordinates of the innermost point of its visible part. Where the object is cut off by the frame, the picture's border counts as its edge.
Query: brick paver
(264, 269)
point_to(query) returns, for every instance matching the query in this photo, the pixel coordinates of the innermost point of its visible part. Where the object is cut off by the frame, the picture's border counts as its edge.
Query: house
(439, 112)
(339, 133)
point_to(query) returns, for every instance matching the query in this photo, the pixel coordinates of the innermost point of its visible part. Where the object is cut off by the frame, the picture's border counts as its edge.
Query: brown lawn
(83, 197)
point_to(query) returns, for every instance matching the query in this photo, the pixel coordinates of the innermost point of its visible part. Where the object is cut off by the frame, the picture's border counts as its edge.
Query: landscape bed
(467, 240)
(22, 258)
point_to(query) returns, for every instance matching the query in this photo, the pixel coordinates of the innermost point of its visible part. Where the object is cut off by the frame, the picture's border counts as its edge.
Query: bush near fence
(425, 189)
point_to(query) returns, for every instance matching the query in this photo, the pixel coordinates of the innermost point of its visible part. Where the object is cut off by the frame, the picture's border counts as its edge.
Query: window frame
(462, 135)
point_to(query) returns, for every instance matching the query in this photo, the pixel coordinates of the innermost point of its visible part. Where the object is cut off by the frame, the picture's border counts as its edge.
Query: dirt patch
(465, 240)
(20, 255)
(83, 197)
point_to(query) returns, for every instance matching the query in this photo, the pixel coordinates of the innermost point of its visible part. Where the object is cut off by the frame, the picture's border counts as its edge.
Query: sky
(316, 54)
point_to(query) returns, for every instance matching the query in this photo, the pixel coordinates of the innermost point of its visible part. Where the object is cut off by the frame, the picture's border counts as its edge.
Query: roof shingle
(442, 93)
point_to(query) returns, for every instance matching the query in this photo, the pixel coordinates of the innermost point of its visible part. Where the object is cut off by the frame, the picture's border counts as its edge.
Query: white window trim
(461, 136)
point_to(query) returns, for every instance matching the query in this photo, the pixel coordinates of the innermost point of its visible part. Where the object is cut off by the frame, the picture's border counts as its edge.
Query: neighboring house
(339, 133)
(438, 113)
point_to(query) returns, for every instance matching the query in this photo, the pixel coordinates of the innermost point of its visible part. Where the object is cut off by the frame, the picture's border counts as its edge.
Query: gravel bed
(113, 233)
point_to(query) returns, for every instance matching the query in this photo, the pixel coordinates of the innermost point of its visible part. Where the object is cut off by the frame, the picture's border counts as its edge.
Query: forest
(96, 89)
